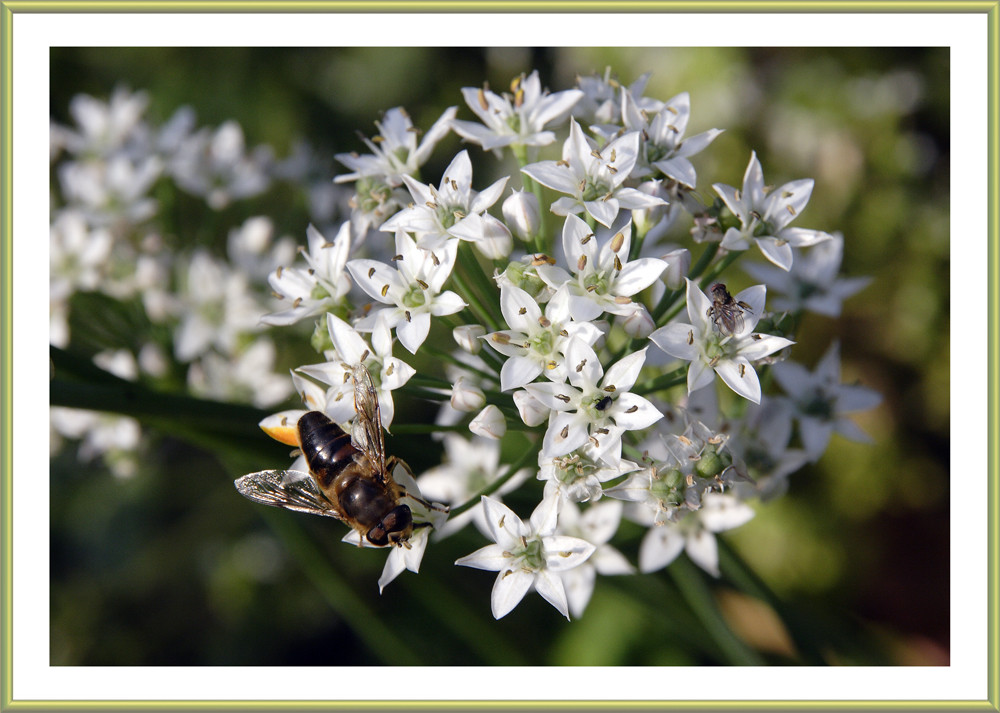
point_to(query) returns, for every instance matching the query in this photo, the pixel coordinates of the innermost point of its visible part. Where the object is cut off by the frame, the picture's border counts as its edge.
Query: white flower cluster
(588, 335)
(584, 293)
(112, 236)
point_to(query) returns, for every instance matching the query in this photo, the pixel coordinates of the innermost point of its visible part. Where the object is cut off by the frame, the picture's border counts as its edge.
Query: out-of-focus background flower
(156, 560)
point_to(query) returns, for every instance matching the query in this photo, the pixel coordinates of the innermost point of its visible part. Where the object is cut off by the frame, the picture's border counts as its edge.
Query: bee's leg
(390, 463)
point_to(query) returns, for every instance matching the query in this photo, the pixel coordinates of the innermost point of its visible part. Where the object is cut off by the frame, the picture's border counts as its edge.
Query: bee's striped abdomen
(326, 448)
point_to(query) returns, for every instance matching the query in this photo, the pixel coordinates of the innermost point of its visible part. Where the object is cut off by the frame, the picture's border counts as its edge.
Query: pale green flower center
(593, 189)
(414, 297)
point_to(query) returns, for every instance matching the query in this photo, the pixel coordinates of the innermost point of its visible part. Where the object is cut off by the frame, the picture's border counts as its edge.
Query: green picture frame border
(8, 8)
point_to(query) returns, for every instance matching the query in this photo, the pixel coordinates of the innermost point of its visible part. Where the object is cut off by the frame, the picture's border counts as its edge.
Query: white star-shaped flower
(412, 291)
(535, 343)
(663, 146)
(595, 407)
(764, 216)
(518, 119)
(527, 556)
(349, 348)
(314, 289)
(395, 152)
(712, 352)
(593, 178)
(603, 278)
(452, 210)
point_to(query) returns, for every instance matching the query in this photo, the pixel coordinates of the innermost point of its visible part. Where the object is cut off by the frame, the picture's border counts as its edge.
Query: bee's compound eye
(396, 523)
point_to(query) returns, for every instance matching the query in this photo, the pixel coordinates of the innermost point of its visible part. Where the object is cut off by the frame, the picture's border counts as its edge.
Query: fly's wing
(367, 432)
(288, 489)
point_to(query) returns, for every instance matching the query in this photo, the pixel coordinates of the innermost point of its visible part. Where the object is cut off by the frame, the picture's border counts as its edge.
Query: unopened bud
(638, 325)
(490, 423)
(467, 337)
(496, 241)
(533, 412)
(678, 263)
(523, 217)
(467, 398)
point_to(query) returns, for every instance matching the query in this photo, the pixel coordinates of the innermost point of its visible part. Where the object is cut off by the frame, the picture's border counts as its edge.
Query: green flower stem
(704, 260)
(381, 640)
(530, 184)
(663, 381)
(451, 359)
(803, 634)
(434, 382)
(474, 270)
(691, 583)
(530, 455)
(481, 311)
(409, 428)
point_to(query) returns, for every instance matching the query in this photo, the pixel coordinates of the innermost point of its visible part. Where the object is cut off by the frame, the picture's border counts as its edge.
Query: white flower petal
(660, 546)
(550, 587)
(508, 591)
(413, 332)
(704, 551)
(740, 377)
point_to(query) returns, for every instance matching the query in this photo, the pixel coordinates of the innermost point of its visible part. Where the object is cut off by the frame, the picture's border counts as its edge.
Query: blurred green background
(171, 567)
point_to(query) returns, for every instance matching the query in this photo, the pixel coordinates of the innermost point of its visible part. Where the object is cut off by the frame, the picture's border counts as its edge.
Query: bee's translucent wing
(367, 431)
(288, 489)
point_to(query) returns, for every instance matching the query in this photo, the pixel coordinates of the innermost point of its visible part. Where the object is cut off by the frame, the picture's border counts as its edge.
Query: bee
(349, 476)
(726, 313)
